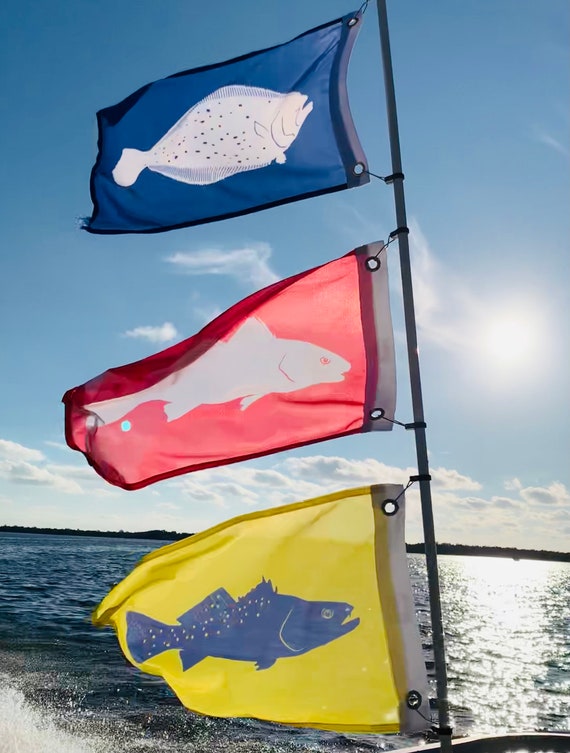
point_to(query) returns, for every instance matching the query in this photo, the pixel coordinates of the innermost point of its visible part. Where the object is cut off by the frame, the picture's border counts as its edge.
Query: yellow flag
(301, 615)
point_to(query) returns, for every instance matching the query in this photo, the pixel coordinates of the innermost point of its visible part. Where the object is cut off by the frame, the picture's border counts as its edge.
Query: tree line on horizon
(443, 548)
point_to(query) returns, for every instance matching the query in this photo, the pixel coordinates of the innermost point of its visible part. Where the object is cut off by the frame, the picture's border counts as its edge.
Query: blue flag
(260, 130)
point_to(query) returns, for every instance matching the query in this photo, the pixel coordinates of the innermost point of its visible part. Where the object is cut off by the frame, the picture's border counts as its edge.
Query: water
(65, 686)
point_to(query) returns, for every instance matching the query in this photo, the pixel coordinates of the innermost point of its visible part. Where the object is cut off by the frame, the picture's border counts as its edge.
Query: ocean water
(66, 688)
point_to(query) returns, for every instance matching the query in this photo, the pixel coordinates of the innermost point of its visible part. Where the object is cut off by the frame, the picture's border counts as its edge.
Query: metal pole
(415, 383)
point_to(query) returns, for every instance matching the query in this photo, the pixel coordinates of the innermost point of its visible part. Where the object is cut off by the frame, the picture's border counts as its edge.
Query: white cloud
(323, 469)
(523, 519)
(206, 314)
(162, 334)
(21, 472)
(237, 492)
(527, 516)
(553, 495)
(25, 465)
(444, 305)
(548, 140)
(249, 265)
(14, 451)
(167, 506)
(197, 492)
(447, 478)
(57, 445)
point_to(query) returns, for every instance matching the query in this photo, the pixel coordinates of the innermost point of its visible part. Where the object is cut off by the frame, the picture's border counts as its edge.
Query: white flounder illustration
(232, 130)
(253, 363)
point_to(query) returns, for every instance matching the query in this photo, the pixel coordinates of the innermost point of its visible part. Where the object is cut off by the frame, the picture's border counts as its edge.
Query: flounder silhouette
(253, 363)
(260, 627)
(232, 130)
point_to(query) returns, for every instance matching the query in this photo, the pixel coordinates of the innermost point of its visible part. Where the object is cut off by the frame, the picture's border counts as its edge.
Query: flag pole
(397, 180)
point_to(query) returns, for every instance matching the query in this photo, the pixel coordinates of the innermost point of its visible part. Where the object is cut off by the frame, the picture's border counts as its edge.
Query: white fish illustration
(253, 363)
(232, 130)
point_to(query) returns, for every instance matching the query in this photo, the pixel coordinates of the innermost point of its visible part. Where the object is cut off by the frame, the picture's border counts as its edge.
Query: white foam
(25, 729)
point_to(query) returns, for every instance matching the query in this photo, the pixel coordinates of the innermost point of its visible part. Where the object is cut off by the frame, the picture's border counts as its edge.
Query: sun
(510, 340)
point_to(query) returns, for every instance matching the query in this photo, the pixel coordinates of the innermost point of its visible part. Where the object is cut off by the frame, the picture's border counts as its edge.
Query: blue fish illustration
(260, 627)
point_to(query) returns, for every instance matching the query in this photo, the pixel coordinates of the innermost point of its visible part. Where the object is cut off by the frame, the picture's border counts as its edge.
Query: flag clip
(416, 425)
(399, 230)
(440, 731)
(421, 477)
(391, 178)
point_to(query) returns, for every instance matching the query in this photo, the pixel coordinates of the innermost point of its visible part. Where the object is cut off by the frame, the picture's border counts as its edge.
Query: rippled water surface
(65, 686)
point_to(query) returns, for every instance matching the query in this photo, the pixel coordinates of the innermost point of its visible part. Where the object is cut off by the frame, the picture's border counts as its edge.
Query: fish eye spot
(327, 614)
(325, 360)
(125, 425)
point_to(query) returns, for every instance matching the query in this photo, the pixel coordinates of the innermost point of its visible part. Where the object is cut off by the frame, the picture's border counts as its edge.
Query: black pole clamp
(420, 477)
(416, 425)
(391, 178)
(441, 731)
(400, 230)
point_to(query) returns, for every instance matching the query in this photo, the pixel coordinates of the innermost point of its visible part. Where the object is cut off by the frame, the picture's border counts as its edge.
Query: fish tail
(129, 167)
(108, 411)
(147, 638)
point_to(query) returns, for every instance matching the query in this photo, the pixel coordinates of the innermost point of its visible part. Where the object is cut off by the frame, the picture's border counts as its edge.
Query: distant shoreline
(156, 535)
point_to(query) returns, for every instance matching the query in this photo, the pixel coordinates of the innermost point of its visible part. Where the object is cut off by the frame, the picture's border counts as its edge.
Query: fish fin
(130, 165)
(281, 159)
(189, 657)
(242, 91)
(264, 663)
(247, 401)
(142, 640)
(218, 600)
(200, 176)
(260, 130)
(108, 411)
(178, 409)
(253, 328)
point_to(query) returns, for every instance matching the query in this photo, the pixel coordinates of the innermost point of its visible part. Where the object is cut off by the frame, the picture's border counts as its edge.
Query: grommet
(390, 507)
(414, 699)
(372, 263)
(359, 168)
(377, 413)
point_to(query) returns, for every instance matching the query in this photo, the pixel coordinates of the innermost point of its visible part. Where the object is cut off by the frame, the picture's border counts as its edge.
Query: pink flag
(306, 359)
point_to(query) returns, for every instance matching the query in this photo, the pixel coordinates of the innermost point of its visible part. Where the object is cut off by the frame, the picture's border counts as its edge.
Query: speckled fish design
(232, 130)
(260, 627)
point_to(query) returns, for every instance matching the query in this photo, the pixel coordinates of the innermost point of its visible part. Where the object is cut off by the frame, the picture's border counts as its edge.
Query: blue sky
(483, 103)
